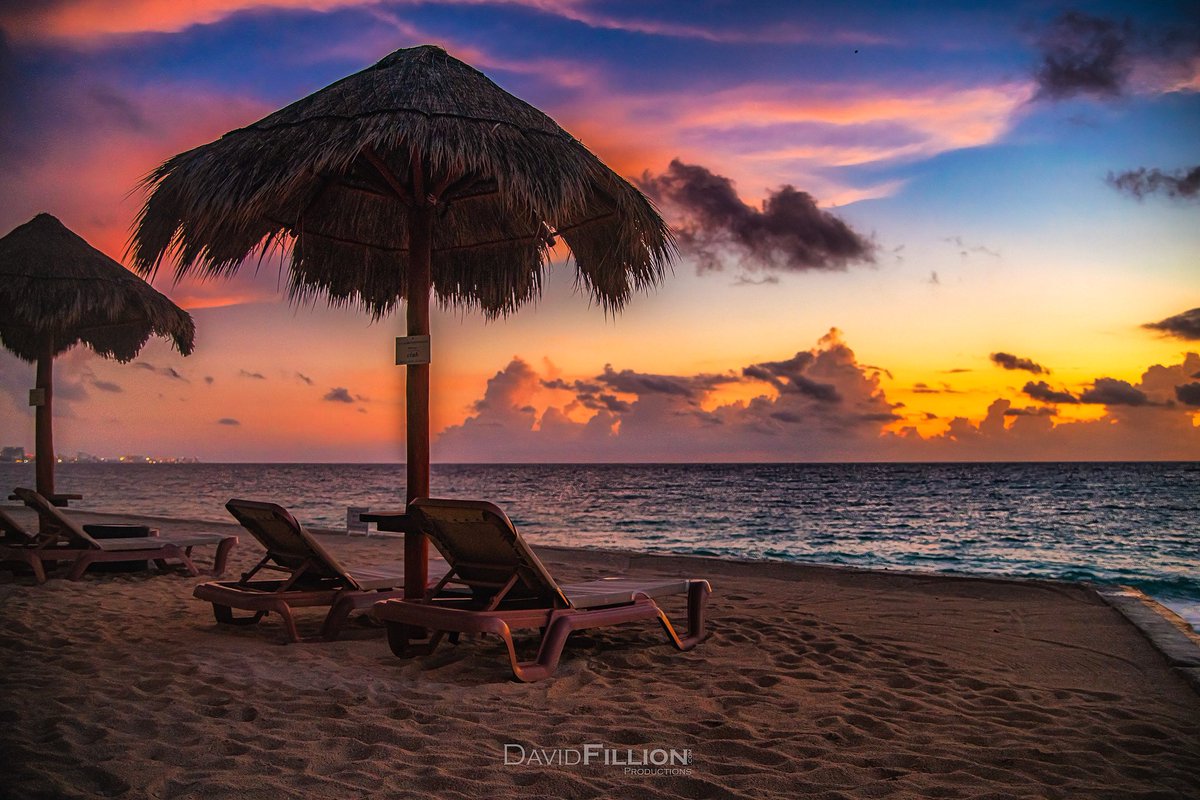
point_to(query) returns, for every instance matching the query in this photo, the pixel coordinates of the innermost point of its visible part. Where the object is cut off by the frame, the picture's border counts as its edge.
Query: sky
(907, 232)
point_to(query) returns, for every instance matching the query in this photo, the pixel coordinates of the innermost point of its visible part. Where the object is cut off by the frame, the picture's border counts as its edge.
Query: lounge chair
(12, 533)
(67, 540)
(312, 576)
(512, 589)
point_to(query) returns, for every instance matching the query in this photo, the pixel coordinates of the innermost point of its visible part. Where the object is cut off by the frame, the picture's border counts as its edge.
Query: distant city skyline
(937, 233)
(19, 455)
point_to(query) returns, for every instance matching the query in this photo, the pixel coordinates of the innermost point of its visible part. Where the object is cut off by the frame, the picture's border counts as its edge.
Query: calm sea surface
(1110, 523)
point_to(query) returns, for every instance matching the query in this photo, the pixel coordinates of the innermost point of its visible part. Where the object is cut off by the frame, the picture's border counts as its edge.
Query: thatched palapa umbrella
(417, 173)
(56, 291)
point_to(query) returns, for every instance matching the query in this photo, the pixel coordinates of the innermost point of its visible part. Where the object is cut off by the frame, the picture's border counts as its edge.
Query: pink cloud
(89, 19)
(764, 135)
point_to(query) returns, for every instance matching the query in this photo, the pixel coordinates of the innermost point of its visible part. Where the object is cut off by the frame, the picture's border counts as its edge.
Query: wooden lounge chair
(512, 589)
(12, 533)
(312, 576)
(67, 540)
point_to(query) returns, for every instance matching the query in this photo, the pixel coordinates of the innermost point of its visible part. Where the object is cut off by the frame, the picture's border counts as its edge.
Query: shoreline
(821, 681)
(1169, 633)
(1173, 618)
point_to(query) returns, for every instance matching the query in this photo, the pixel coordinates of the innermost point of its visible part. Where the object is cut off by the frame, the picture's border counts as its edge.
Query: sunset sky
(1003, 262)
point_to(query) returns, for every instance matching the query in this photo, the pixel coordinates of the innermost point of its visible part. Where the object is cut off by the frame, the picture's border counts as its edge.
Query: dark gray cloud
(1185, 325)
(1009, 361)
(592, 395)
(1182, 184)
(169, 372)
(258, 376)
(107, 386)
(1042, 391)
(575, 386)
(338, 394)
(228, 421)
(604, 402)
(1181, 326)
(1188, 394)
(925, 388)
(1032, 411)
(692, 387)
(209, 379)
(304, 378)
(1083, 54)
(788, 378)
(790, 233)
(1113, 392)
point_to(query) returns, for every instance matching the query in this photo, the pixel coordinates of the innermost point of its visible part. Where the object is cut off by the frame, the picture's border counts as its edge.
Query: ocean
(1129, 523)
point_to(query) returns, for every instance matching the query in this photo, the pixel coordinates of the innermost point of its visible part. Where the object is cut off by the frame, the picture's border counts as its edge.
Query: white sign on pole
(354, 523)
(412, 350)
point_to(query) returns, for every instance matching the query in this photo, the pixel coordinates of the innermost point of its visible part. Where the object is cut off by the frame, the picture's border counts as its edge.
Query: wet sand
(815, 682)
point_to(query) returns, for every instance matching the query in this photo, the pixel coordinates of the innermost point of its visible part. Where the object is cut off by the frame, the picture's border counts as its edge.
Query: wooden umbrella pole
(420, 238)
(43, 441)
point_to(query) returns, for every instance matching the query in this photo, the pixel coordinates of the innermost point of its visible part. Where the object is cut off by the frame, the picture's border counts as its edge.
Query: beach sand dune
(815, 682)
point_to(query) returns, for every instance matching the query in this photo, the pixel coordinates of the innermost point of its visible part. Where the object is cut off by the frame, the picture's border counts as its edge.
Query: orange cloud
(90, 19)
(819, 405)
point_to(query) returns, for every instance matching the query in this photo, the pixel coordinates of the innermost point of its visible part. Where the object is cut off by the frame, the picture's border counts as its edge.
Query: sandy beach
(815, 682)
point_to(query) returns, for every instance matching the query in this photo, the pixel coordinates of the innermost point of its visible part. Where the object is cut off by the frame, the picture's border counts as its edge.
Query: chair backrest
(286, 540)
(480, 543)
(69, 527)
(11, 531)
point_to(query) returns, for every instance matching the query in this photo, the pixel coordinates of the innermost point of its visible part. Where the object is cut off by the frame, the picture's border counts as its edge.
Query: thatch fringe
(308, 178)
(56, 288)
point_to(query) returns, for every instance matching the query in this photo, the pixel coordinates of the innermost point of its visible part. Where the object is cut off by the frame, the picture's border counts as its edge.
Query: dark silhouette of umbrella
(57, 291)
(416, 174)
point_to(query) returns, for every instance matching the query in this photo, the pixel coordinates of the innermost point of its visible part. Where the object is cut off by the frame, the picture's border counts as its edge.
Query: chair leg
(224, 615)
(39, 569)
(185, 557)
(289, 624)
(79, 566)
(698, 594)
(548, 655)
(222, 556)
(339, 612)
(401, 640)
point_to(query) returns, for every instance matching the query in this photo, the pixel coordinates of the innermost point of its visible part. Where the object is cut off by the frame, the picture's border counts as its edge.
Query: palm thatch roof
(56, 288)
(335, 176)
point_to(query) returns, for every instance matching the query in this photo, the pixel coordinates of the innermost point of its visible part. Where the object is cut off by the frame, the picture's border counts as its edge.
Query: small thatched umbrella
(418, 173)
(56, 291)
